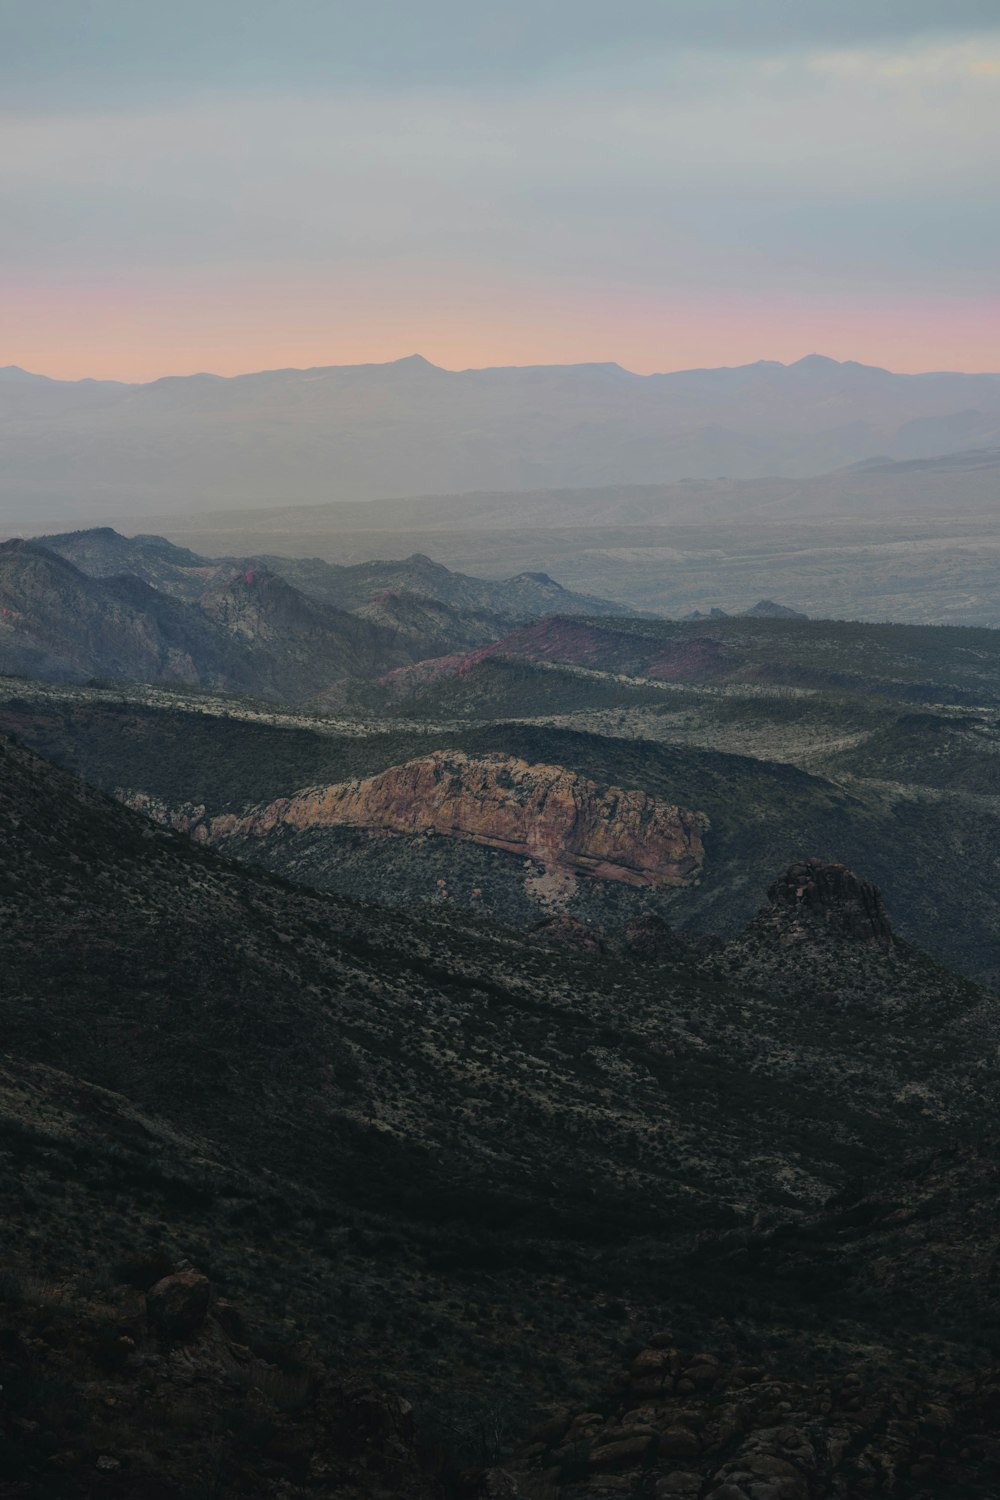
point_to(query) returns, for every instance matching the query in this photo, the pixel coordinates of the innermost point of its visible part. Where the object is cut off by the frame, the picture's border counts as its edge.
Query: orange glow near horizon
(132, 333)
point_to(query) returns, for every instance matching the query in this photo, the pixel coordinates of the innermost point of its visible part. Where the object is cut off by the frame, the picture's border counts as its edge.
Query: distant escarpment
(549, 814)
(760, 651)
(572, 642)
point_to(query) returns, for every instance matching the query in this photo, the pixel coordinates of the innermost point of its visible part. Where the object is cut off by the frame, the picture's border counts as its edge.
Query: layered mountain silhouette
(410, 428)
(103, 552)
(97, 604)
(963, 483)
(249, 631)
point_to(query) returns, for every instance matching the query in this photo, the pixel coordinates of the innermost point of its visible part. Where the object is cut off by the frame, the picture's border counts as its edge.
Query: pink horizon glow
(132, 333)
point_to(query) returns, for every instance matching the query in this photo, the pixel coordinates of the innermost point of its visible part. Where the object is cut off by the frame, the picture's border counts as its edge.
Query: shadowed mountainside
(102, 552)
(919, 663)
(249, 631)
(434, 1151)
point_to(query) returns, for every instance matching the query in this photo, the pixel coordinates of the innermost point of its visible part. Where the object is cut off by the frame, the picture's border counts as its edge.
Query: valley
(499, 750)
(875, 745)
(342, 1110)
(586, 1036)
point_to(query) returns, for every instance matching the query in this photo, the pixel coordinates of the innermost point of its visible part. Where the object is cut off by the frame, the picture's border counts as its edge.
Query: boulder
(682, 1484)
(679, 1442)
(627, 1453)
(177, 1306)
(498, 1484)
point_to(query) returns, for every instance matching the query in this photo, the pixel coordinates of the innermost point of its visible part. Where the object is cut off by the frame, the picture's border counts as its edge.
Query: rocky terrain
(139, 1380)
(558, 820)
(526, 596)
(102, 552)
(767, 651)
(249, 630)
(97, 604)
(470, 1169)
(681, 1425)
(431, 624)
(585, 1119)
(580, 644)
(909, 798)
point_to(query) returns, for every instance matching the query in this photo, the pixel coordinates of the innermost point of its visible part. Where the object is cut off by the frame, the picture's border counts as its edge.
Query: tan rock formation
(547, 813)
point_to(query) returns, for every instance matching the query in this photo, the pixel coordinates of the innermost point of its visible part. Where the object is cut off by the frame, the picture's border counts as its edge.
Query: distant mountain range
(885, 539)
(764, 609)
(967, 483)
(98, 604)
(286, 437)
(103, 552)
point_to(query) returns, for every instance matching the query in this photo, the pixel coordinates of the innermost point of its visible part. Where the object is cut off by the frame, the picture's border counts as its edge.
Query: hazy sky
(239, 184)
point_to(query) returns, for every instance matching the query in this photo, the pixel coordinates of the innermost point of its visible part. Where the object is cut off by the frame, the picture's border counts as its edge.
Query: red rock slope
(544, 812)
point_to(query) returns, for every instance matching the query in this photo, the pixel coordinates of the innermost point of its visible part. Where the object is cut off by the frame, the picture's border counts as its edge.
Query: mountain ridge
(103, 552)
(143, 608)
(250, 632)
(807, 362)
(359, 432)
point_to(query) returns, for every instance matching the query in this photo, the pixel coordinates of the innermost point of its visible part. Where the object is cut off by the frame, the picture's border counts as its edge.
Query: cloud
(68, 53)
(688, 165)
(849, 157)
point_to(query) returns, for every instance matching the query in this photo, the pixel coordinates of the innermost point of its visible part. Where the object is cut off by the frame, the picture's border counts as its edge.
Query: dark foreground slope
(447, 1159)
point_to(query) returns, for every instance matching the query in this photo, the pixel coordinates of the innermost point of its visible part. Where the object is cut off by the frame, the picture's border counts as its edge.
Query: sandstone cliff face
(547, 813)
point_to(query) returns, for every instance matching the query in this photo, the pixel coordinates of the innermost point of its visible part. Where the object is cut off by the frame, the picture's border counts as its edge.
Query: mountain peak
(822, 364)
(542, 578)
(815, 362)
(412, 362)
(15, 374)
(767, 609)
(812, 897)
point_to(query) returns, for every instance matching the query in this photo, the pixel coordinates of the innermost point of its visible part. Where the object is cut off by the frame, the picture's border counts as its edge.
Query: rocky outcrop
(697, 1426)
(547, 813)
(651, 940)
(824, 938)
(178, 1304)
(811, 894)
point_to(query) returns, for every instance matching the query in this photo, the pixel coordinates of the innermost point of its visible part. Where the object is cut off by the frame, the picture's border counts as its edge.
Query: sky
(232, 185)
